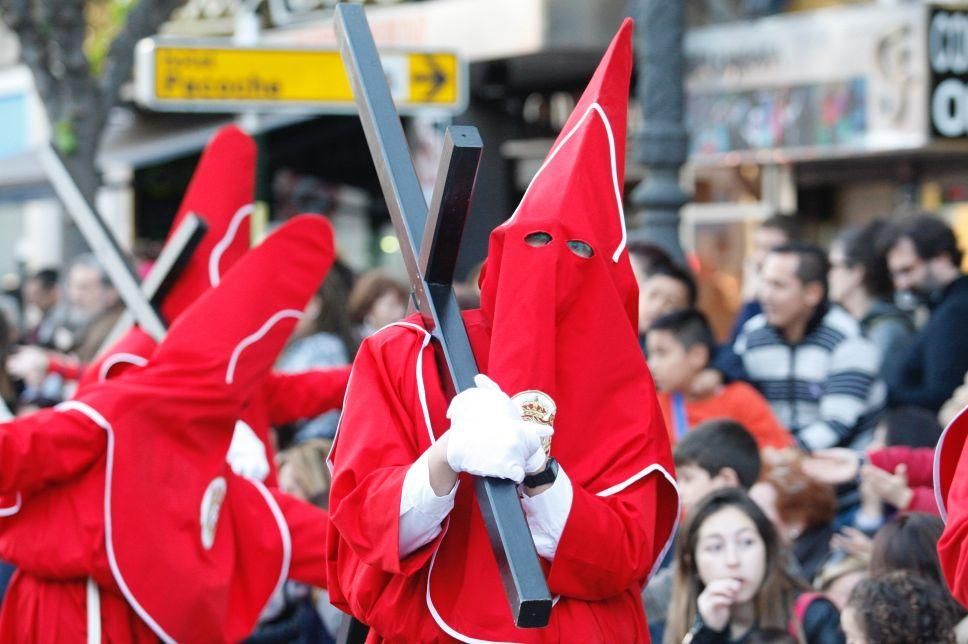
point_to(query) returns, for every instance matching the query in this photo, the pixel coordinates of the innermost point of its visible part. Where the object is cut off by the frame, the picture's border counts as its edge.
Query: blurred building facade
(835, 115)
(810, 107)
(31, 224)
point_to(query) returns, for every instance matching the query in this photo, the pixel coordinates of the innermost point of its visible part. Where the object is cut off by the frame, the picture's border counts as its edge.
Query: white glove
(30, 364)
(247, 454)
(487, 436)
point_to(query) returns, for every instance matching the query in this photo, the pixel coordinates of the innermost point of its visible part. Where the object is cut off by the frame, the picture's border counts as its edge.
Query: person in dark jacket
(925, 261)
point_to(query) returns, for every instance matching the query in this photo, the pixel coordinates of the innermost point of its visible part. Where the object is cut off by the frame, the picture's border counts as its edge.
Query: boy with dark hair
(718, 453)
(680, 346)
(664, 287)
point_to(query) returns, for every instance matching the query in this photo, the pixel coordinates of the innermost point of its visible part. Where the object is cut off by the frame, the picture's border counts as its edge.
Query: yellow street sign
(202, 76)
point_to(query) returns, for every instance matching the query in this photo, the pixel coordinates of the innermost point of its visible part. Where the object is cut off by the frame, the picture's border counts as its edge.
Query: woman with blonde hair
(303, 472)
(732, 580)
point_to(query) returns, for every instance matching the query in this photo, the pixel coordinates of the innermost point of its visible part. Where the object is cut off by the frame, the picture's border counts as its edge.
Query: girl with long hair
(733, 582)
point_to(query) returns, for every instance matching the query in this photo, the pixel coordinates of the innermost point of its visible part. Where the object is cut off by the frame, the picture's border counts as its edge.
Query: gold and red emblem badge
(537, 407)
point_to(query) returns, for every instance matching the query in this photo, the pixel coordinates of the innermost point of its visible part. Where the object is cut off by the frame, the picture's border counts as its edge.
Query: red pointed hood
(221, 192)
(576, 199)
(231, 336)
(559, 290)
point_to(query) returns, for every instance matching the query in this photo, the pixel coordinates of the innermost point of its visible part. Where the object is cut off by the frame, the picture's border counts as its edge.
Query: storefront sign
(822, 84)
(948, 56)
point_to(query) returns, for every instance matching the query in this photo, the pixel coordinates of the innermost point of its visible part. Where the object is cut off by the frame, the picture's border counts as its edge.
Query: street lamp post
(662, 144)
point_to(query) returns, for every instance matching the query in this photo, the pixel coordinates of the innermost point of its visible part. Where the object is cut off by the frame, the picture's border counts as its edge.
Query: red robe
(598, 586)
(951, 492)
(283, 398)
(221, 191)
(128, 484)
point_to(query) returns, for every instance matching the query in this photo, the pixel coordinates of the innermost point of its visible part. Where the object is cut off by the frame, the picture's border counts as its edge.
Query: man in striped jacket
(810, 360)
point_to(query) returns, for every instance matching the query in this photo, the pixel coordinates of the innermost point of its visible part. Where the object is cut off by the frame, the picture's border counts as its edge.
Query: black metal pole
(662, 143)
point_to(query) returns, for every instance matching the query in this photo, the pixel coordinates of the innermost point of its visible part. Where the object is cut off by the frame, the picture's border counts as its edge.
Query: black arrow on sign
(437, 78)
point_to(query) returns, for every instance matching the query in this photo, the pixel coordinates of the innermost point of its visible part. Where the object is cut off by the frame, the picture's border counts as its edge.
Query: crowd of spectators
(804, 441)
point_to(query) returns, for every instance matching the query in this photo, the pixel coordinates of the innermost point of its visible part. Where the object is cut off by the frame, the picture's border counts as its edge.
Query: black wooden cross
(100, 239)
(161, 278)
(429, 243)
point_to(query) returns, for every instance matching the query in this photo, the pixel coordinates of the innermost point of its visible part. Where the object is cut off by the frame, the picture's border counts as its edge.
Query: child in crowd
(898, 608)
(664, 286)
(303, 471)
(908, 541)
(667, 288)
(680, 346)
(732, 579)
(839, 574)
(716, 454)
(376, 301)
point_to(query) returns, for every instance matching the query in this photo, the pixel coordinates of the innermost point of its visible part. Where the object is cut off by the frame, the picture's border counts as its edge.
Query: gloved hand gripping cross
(488, 436)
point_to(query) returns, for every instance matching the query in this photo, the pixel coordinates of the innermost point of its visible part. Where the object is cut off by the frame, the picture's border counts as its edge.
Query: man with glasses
(925, 261)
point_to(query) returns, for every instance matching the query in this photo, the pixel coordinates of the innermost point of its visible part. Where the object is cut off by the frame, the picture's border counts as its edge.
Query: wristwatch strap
(548, 475)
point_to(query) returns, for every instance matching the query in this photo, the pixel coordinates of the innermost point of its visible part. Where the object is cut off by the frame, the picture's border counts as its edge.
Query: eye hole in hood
(537, 239)
(580, 248)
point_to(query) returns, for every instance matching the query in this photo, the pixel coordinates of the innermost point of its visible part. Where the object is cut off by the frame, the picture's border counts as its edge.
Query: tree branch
(19, 18)
(143, 21)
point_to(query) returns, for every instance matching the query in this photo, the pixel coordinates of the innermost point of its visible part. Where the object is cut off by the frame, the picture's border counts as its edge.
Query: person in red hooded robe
(121, 514)
(408, 552)
(221, 192)
(951, 494)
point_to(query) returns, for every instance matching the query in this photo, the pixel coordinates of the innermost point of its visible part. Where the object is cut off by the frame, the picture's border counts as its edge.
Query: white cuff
(867, 523)
(547, 514)
(421, 510)
(247, 454)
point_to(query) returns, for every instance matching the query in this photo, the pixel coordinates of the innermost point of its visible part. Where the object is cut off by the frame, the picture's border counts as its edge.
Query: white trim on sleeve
(119, 358)
(421, 510)
(547, 513)
(13, 509)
